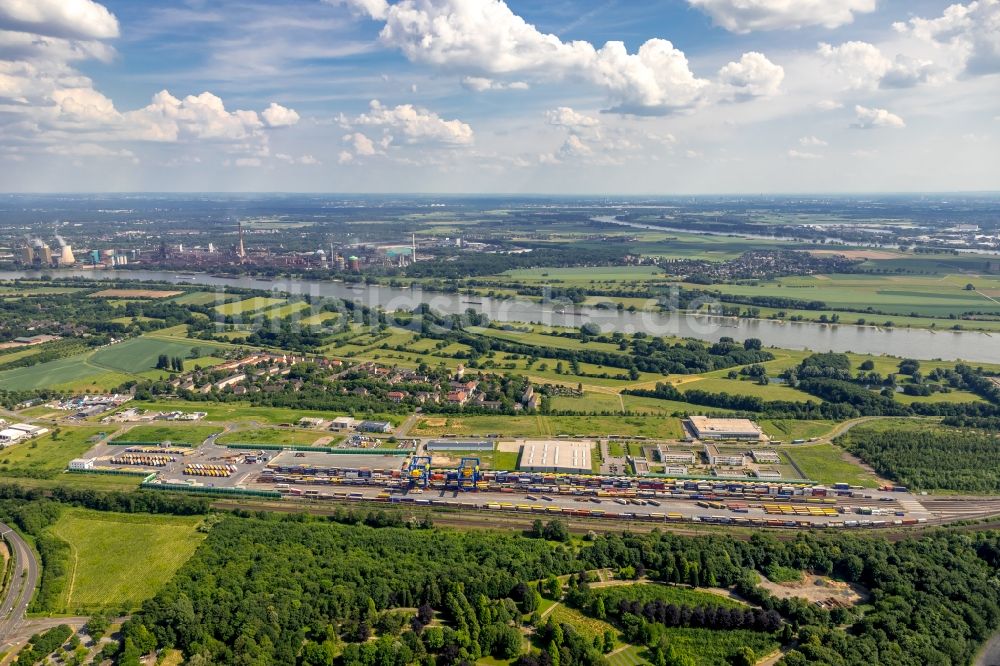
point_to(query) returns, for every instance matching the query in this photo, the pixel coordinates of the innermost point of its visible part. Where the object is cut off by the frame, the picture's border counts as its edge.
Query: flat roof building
(704, 427)
(715, 458)
(82, 463)
(669, 457)
(556, 456)
(375, 426)
(766, 456)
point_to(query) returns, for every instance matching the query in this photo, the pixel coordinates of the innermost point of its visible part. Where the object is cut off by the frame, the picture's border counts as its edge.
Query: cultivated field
(140, 354)
(248, 305)
(117, 561)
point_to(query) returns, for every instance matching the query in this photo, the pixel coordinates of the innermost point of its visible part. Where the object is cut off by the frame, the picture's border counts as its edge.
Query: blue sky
(487, 96)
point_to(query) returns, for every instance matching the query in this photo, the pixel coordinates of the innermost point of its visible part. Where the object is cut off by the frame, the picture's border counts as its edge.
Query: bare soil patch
(820, 590)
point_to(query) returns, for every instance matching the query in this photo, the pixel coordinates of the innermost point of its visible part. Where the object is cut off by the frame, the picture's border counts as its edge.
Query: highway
(24, 577)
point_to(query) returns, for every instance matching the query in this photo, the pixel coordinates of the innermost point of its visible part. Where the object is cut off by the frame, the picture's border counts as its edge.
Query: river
(969, 346)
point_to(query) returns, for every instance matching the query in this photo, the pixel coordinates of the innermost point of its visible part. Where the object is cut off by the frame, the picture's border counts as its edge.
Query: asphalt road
(24, 577)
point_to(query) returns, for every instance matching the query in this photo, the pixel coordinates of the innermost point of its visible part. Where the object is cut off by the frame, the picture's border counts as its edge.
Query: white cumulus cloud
(564, 116)
(864, 65)
(414, 125)
(484, 38)
(972, 29)
(74, 19)
(870, 118)
(276, 115)
(753, 76)
(744, 16)
(812, 141)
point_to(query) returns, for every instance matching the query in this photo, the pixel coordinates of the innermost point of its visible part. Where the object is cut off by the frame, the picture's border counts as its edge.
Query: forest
(268, 589)
(927, 457)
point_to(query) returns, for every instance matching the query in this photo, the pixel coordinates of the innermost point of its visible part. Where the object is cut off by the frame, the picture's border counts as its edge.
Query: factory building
(458, 445)
(704, 427)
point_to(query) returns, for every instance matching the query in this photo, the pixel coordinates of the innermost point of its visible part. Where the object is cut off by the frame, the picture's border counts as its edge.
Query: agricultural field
(660, 427)
(140, 354)
(199, 298)
(935, 296)
(117, 561)
(47, 456)
(248, 305)
(74, 373)
(772, 391)
(826, 463)
(286, 310)
(178, 434)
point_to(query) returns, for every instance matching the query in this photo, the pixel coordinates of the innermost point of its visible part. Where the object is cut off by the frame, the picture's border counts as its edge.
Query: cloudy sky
(560, 96)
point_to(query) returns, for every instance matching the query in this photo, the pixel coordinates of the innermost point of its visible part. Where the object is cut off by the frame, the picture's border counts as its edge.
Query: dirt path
(989, 654)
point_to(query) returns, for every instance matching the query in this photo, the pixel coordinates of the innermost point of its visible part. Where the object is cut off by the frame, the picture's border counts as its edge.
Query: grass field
(711, 648)
(934, 295)
(825, 463)
(46, 456)
(72, 373)
(274, 436)
(238, 411)
(247, 305)
(670, 594)
(182, 434)
(199, 298)
(786, 430)
(587, 627)
(283, 311)
(140, 354)
(117, 561)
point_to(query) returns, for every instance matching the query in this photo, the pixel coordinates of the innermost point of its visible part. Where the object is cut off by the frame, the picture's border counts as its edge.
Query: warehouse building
(556, 456)
(375, 426)
(704, 427)
(717, 459)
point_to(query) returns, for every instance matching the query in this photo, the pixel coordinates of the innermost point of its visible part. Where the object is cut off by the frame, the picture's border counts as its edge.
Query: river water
(912, 343)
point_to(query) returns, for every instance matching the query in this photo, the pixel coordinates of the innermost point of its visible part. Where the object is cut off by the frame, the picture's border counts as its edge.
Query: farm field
(46, 456)
(285, 310)
(71, 373)
(773, 391)
(117, 561)
(199, 298)
(248, 305)
(140, 354)
(179, 434)
(825, 463)
(937, 296)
